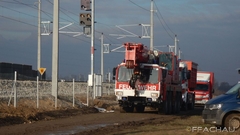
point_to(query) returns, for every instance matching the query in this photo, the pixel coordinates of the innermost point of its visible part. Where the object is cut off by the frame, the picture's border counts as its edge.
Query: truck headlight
(119, 93)
(215, 106)
(155, 95)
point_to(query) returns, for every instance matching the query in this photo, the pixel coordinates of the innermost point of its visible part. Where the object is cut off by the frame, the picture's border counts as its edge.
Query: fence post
(109, 81)
(87, 95)
(37, 93)
(15, 90)
(73, 94)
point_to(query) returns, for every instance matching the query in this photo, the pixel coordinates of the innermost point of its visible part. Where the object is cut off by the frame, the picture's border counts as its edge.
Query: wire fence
(28, 89)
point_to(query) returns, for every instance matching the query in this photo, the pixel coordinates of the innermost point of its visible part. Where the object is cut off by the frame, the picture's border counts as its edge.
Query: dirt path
(82, 120)
(94, 123)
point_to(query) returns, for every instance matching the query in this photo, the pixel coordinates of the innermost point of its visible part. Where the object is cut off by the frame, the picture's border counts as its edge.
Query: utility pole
(102, 70)
(92, 43)
(179, 54)
(55, 50)
(151, 35)
(39, 36)
(176, 46)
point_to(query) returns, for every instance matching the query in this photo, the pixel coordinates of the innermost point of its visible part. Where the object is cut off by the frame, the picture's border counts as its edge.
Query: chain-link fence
(28, 90)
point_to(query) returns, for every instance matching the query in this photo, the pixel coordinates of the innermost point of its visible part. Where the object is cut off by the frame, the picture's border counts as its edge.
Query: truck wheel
(192, 104)
(170, 97)
(179, 98)
(174, 109)
(165, 109)
(232, 122)
(140, 109)
(185, 105)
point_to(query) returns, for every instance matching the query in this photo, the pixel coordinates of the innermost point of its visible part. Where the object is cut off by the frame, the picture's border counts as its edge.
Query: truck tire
(165, 107)
(192, 104)
(232, 122)
(179, 98)
(174, 108)
(185, 105)
(170, 97)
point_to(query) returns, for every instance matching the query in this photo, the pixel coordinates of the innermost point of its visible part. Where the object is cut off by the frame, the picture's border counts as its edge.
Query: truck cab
(204, 88)
(224, 110)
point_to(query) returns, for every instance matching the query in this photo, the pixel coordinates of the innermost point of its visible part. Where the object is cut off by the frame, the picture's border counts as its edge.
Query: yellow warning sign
(42, 70)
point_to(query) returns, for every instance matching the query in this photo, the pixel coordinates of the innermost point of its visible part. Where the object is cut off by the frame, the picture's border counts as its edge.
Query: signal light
(85, 5)
(82, 15)
(85, 19)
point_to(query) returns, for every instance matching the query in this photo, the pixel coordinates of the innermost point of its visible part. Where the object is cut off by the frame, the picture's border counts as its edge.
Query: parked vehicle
(148, 78)
(188, 76)
(204, 89)
(224, 110)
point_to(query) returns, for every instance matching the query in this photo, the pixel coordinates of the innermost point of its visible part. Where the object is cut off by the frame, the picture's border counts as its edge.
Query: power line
(139, 6)
(18, 20)
(61, 10)
(35, 8)
(111, 27)
(162, 21)
(18, 11)
(17, 2)
(162, 17)
(10, 2)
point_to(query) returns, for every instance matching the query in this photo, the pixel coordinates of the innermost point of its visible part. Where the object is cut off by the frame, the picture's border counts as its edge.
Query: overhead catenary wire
(160, 18)
(34, 7)
(27, 23)
(163, 18)
(139, 6)
(23, 22)
(46, 13)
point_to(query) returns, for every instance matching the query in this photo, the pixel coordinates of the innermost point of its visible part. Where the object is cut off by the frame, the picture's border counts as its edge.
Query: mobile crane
(148, 78)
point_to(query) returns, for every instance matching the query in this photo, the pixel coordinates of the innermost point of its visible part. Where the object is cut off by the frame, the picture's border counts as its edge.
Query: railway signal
(85, 19)
(85, 5)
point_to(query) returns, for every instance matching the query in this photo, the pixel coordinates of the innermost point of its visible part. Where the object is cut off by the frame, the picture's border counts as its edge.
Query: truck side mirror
(238, 70)
(114, 71)
(238, 93)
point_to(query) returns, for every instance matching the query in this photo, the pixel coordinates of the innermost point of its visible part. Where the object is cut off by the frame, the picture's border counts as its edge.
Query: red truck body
(204, 88)
(192, 81)
(188, 71)
(148, 79)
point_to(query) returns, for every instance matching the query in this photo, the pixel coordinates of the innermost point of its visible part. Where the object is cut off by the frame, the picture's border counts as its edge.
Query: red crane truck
(188, 75)
(204, 88)
(148, 79)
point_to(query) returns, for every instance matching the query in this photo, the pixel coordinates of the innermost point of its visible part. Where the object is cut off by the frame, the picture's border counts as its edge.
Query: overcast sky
(208, 32)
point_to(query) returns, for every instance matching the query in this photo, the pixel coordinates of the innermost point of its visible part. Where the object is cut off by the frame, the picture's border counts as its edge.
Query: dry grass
(27, 111)
(177, 127)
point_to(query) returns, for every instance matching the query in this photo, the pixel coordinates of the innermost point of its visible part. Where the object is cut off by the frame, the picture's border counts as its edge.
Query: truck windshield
(234, 89)
(124, 74)
(202, 87)
(148, 75)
